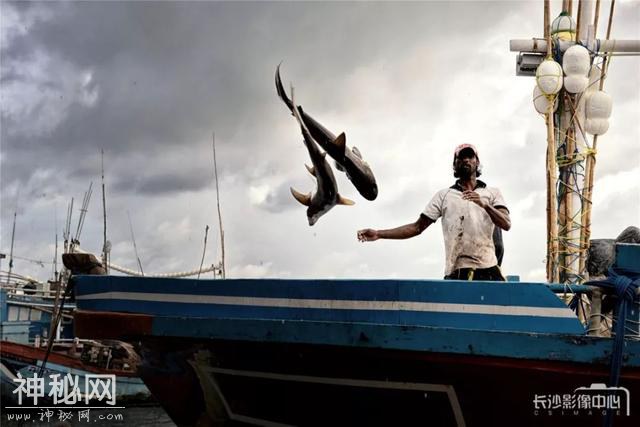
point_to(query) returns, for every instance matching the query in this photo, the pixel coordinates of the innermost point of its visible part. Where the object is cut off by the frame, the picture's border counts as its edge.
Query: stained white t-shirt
(466, 227)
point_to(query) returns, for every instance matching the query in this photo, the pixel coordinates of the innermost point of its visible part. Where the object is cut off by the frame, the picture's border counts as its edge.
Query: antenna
(215, 170)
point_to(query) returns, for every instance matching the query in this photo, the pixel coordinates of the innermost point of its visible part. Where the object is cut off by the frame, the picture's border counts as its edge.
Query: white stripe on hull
(503, 310)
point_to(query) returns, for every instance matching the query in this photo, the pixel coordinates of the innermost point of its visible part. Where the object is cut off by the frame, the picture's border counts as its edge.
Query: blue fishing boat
(373, 352)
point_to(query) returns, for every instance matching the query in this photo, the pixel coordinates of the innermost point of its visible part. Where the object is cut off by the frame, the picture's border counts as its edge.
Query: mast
(569, 193)
(105, 260)
(204, 250)
(55, 261)
(587, 191)
(215, 171)
(135, 247)
(13, 235)
(552, 212)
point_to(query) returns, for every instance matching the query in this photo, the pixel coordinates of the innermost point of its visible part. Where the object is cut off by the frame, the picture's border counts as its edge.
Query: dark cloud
(148, 82)
(163, 183)
(168, 72)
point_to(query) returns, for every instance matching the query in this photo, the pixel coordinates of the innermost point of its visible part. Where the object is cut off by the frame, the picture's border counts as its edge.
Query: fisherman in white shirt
(470, 212)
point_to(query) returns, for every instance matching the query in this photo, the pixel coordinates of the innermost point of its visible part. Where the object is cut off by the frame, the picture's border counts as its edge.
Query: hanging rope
(624, 284)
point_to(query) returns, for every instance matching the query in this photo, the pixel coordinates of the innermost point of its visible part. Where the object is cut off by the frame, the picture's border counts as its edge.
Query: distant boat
(25, 317)
(359, 352)
(82, 359)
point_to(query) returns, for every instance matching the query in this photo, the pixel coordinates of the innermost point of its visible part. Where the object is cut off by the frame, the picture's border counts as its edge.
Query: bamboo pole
(135, 247)
(551, 167)
(215, 169)
(546, 20)
(13, 235)
(104, 218)
(569, 185)
(587, 191)
(204, 250)
(578, 20)
(552, 208)
(595, 19)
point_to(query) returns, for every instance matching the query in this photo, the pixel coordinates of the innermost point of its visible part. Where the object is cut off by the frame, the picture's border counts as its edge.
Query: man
(470, 211)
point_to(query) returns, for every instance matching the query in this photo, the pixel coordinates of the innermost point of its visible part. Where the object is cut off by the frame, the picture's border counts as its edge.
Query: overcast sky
(149, 82)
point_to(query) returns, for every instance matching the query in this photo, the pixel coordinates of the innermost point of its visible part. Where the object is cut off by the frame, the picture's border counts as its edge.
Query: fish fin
(355, 151)
(324, 154)
(311, 169)
(341, 142)
(339, 166)
(345, 201)
(296, 112)
(305, 199)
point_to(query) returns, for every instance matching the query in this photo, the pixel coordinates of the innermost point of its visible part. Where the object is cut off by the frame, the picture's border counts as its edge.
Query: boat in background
(33, 307)
(365, 352)
(25, 326)
(78, 358)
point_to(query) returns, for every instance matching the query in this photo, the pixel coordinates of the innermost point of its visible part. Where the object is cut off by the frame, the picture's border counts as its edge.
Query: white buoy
(576, 83)
(576, 64)
(576, 60)
(598, 106)
(541, 102)
(596, 126)
(549, 77)
(564, 27)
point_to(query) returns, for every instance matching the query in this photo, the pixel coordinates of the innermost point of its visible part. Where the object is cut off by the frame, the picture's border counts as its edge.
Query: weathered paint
(454, 304)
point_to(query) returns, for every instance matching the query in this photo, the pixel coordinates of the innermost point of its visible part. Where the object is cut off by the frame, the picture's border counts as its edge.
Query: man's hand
(474, 197)
(368, 235)
(499, 216)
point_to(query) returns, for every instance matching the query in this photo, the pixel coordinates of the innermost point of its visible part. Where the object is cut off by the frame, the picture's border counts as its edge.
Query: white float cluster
(598, 110)
(576, 64)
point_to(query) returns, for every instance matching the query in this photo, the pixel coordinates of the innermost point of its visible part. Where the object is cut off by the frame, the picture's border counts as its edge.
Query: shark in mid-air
(326, 195)
(348, 160)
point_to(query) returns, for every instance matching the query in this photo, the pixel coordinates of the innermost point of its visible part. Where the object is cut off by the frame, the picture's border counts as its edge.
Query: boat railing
(27, 292)
(597, 322)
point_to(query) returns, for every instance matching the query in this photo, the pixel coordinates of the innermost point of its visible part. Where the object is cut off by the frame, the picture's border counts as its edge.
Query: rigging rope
(170, 275)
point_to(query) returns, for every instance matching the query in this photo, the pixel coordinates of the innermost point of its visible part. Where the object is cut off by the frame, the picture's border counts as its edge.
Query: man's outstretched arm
(403, 232)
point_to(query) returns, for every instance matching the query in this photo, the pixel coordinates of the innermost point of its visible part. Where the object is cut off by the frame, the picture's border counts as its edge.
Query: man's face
(466, 164)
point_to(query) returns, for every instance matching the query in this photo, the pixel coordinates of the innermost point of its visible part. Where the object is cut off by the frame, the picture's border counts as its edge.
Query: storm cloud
(149, 82)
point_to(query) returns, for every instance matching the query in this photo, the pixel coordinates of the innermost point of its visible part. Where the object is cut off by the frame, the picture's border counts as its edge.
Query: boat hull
(300, 384)
(378, 352)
